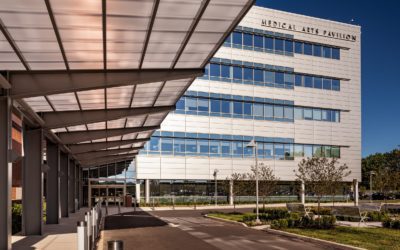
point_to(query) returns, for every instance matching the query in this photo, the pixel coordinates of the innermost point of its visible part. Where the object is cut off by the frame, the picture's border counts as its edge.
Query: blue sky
(380, 44)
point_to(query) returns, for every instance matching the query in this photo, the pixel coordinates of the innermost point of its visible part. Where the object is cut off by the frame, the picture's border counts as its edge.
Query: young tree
(383, 181)
(319, 174)
(335, 176)
(239, 185)
(267, 180)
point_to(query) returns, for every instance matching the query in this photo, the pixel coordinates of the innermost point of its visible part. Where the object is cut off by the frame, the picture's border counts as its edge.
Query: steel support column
(5, 172)
(137, 192)
(231, 201)
(71, 186)
(64, 165)
(32, 183)
(53, 183)
(147, 191)
(80, 187)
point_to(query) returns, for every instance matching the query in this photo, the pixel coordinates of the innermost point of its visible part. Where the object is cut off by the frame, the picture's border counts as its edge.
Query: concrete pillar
(137, 192)
(303, 192)
(231, 193)
(147, 191)
(32, 183)
(64, 165)
(76, 186)
(71, 186)
(355, 188)
(5, 172)
(53, 183)
(80, 186)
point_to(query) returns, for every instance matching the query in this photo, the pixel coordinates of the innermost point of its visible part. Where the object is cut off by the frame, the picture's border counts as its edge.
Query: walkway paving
(161, 230)
(58, 236)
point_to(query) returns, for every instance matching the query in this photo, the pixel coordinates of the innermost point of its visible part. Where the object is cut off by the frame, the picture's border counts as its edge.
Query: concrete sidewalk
(57, 236)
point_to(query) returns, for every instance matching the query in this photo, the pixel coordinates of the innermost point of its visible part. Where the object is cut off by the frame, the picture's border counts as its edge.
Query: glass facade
(245, 107)
(232, 146)
(278, 43)
(240, 72)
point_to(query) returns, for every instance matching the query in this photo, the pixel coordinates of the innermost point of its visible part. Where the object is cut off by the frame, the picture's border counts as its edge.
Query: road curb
(225, 220)
(330, 244)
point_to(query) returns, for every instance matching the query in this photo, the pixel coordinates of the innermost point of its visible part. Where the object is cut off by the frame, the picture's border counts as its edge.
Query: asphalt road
(162, 230)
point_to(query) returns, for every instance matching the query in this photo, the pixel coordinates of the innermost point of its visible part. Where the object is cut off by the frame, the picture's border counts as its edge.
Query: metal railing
(88, 231)
(156, 201)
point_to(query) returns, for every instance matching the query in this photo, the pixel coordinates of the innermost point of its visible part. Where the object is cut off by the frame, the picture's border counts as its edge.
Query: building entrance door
(107, 194)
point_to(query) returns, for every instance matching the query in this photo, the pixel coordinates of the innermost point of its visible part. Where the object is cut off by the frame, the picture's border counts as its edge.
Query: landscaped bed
(369, 238)
(323, 227)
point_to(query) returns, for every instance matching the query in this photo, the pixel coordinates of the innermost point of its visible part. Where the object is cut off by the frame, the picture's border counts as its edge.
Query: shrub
(322, 210)
(273, 213)
(16, 218)
(324, 222)
(377, 216)
(279, 224)
(390, 223)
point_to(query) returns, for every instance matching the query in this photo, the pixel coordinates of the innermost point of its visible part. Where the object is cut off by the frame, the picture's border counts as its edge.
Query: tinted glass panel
(279, 78)
(166, 144)
(308, 81)
(335, 84)
(298, 113)
(237, 38)
(247, 39)
(258, 109)
(278, 44)
(327, 84)
(202, 104)
(308, 151)
(317, 50)
(326, 52)
(215, 69)
(237, 72)
(258, 41)
(248, 108)
(318, 82)
(248, 74)
(278, 111)
(298, 47)
(238, 108)
(308, 114)
(268, 110)
(226, 107)
(269, 76)
(269, 43)
(288, 46)
(258, 75)
(317, 114)
(298, 80)
(191, 104)
(181, 104)
(335, 53)
(191, 145)
(307, 49)
(215, 106)
(288, 112)
(225, 71)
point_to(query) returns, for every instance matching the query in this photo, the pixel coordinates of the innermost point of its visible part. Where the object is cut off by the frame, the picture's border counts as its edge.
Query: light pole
(371, 173)
(253, 144)
(216, 189)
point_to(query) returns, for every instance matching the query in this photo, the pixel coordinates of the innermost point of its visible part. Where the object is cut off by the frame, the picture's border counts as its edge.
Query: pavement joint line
(283, 233)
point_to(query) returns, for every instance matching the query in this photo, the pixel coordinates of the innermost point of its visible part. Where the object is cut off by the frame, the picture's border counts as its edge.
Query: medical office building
(289, 81)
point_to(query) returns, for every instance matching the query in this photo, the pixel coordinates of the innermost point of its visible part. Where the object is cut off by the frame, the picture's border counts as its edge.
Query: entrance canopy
(99, 76)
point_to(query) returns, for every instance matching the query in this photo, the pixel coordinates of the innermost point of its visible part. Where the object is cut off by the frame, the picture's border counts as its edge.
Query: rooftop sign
(308, 30)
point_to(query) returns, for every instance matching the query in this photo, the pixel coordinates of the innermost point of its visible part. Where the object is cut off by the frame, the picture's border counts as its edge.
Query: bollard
(81, 232)
(94, 225)
(88, 219)
(119, 207)
(115, 245)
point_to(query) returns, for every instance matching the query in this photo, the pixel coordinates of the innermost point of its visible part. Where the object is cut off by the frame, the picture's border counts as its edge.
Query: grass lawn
(369, 238)
(227, 216)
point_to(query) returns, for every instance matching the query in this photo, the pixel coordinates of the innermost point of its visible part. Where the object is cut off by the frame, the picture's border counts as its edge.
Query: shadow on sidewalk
(127, 220)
